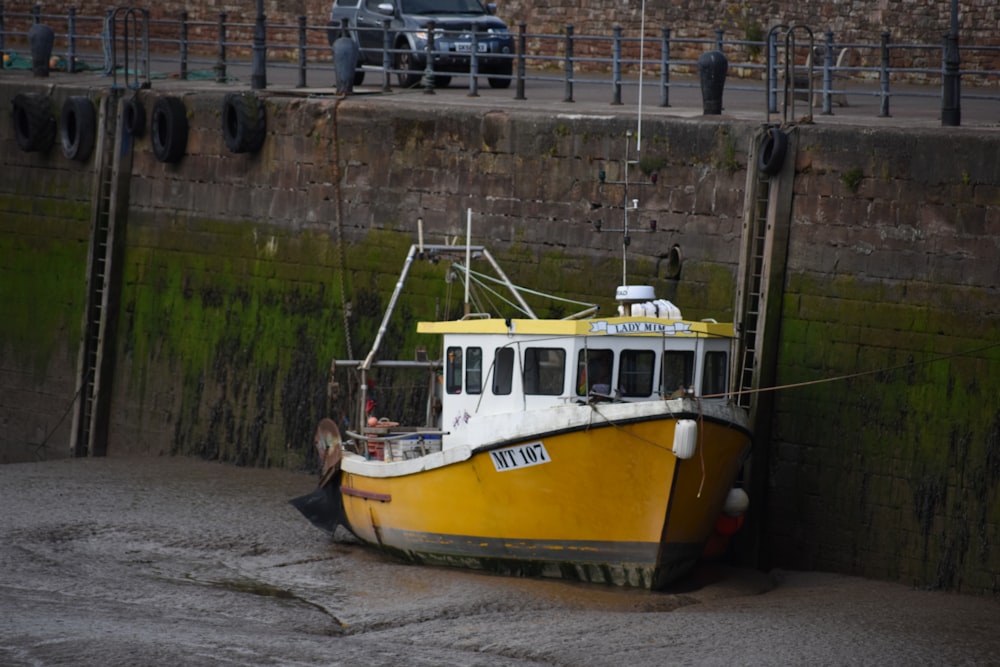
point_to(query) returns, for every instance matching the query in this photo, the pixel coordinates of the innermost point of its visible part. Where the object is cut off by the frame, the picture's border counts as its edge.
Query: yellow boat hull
(612, 503)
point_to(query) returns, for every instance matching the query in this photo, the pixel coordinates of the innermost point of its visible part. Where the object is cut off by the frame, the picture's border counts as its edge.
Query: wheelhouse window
(593, 371)
(474, 370)
(678, 371)
(635, 377)
(453, 371)
(503, 371)
(713, 377)
(544, 370)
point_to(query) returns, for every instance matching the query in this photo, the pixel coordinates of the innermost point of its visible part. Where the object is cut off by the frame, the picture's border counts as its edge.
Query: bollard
(345, 60)
(41, 38)
(712, 68)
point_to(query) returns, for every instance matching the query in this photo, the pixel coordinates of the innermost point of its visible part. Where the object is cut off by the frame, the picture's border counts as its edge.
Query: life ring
(169, 128)
(243, 122)
(772, 151)
(134, 117)
(77, 128)
(34, 126)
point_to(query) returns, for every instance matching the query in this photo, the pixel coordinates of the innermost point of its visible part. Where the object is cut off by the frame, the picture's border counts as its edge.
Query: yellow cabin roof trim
(614, 326)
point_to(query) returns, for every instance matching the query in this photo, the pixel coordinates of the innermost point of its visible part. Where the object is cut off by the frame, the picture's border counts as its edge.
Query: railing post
(951, 92)
(184, 46)
(772, 72)
(258, 76)
(568, 64)
(220, 64)
(36, 14)
(719, 37)
(474, 66)
(665, 69)
(108, 43)
(302, 52)
(884, 77)
(616, 67)
(71, 29)
(386, 56)
(428, 81)
(519, 87)
(828, 76)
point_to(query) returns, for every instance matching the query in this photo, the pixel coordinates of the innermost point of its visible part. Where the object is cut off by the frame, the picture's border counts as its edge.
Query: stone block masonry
(238, 267)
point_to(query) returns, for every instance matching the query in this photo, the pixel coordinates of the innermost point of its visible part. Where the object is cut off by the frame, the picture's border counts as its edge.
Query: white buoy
(685, 438)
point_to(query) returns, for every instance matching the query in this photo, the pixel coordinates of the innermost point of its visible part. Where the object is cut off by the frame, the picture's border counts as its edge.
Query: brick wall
(851, 21)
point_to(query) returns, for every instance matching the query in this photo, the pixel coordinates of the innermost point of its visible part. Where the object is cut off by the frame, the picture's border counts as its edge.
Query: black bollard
(345, 60)
(41, 38)
(712, 67)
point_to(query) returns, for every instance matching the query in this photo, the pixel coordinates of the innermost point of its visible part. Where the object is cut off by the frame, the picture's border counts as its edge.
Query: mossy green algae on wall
(41, 288)
(245, 318)
(910, 434)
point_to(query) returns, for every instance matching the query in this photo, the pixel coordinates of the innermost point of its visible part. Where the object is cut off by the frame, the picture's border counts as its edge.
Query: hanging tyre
(134, 117)
(77, 127)
(772, 151)
(34, 126)
(243, 122)
(169, 128)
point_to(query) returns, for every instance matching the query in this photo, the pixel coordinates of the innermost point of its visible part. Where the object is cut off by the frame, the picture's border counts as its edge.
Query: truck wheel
(409, 74)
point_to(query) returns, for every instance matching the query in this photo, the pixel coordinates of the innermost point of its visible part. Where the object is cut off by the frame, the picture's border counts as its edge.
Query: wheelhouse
(497, 366)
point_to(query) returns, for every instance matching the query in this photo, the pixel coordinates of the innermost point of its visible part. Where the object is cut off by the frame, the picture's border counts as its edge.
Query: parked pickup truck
(454, 24)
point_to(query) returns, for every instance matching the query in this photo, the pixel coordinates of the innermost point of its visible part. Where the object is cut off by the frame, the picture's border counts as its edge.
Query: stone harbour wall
(245, 274)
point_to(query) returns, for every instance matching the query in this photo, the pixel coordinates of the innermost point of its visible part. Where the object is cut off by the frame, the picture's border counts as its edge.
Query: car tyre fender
(77, 127)
(169, 129)
(134, 117)
(773, 147)
(34, 126)
(244, 122)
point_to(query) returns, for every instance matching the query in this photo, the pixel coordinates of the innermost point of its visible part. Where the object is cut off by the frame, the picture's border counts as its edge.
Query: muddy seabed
(182, 562)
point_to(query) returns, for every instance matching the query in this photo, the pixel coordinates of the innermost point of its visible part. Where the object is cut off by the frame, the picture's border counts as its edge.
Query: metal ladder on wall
(752, 300)
(109, 212)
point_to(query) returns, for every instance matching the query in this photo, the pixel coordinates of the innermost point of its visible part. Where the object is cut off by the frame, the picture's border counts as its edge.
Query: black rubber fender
(134, 117)
(34, 126)
(772, 151)
(77, 127)
(169, 129)
(244, 122)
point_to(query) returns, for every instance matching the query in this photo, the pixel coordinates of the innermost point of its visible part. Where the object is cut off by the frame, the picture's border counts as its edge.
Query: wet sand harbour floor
(176, 561)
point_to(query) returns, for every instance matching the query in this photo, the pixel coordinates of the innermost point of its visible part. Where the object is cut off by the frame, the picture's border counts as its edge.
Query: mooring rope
(849, 376)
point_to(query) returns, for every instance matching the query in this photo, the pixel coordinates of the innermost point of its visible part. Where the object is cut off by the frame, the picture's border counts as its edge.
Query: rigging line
(497, 294)
(525, 290)
(849, 376)
(593, 406)
(45, 441)
(339, 213)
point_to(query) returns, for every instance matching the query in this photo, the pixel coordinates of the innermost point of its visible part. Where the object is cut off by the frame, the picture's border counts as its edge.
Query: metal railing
(211, 49)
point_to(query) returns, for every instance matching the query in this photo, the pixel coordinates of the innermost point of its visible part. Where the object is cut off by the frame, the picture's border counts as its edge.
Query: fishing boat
(591, 448)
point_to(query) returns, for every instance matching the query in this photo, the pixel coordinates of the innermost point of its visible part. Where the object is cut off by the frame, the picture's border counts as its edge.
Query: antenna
(642, 38)
(626, 202)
